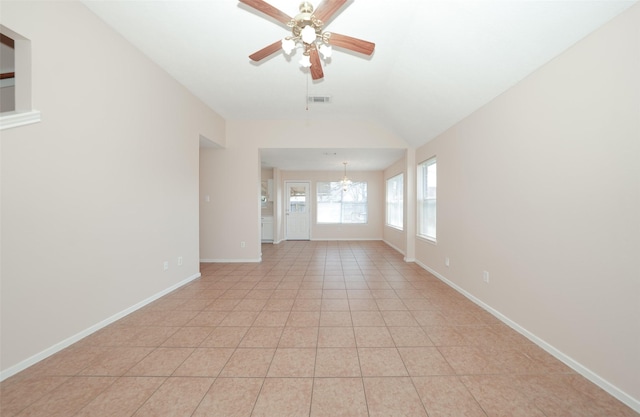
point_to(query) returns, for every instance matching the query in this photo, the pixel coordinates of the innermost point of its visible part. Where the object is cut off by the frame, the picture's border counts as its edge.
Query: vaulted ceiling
(435, 61)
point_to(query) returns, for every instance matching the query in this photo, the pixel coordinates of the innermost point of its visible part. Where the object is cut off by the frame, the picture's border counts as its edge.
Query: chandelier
(306, 32)
(346, 182)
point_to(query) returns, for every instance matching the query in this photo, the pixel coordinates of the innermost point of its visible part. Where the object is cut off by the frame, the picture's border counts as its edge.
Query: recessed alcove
(15, 81)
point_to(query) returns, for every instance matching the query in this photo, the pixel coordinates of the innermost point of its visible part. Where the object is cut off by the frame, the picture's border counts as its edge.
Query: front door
(297, 211)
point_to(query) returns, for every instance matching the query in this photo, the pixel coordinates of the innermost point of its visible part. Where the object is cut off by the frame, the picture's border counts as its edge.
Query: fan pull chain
(306, 98)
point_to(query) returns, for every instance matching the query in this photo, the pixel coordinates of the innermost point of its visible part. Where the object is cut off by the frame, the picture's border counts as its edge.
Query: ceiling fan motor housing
(306, 7)
(303, 19)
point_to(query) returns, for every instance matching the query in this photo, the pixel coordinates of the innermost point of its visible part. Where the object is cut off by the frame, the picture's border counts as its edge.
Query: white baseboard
(397, 249)
(567, 360)
(334, 239)
(276, 242)
(230, 261)
(401, 252)
(79, 336)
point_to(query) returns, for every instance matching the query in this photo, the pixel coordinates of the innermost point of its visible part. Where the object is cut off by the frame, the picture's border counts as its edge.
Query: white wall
(237, 218)
(541, 188)
(102, 191)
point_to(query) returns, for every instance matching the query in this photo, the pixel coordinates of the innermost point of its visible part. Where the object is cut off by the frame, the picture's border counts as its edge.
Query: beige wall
(102, 191)
(541, 188)
(231, 179)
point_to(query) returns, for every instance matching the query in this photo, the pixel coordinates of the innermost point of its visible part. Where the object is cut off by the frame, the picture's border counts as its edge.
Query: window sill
(15, 119)
(427, 239)
(400, 229)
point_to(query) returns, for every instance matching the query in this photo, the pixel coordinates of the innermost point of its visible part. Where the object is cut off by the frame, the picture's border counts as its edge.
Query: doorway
(297, 212)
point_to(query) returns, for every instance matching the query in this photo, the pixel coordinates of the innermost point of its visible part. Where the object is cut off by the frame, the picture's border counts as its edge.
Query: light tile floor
(316, 329)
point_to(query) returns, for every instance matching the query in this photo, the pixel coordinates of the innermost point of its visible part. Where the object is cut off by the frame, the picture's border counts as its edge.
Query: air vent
(319, 99)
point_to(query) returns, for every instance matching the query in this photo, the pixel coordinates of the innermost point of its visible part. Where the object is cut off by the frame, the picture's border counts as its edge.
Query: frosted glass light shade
(325, 50)
(308, 34)
(288, 45)
(305, 61)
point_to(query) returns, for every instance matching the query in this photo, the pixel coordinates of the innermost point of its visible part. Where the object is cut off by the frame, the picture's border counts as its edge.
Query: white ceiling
(435, 62)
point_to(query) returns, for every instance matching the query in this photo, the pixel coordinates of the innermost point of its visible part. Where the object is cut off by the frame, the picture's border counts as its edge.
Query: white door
(297, 213)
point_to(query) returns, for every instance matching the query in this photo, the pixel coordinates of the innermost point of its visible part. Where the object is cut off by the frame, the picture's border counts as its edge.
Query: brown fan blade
(268, 9)
(316, 66)
(328, 8)
(266, 51)
(353, 44)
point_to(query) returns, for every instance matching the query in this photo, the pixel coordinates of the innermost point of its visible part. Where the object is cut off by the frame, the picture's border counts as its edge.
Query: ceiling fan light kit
(306, 32)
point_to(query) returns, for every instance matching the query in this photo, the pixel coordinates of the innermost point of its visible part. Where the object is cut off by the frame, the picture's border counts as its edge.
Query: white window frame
(395, 201)
(427, 199)
(338, 188)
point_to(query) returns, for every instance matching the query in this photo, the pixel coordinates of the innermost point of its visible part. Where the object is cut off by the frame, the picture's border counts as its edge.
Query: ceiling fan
(306, 31)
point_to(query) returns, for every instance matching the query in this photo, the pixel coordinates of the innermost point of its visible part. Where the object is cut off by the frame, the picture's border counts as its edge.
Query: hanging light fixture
(346, 182)
(306, 32)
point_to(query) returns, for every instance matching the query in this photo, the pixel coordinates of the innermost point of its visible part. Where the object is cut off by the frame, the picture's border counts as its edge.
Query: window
(395, 201)
(427, 184)
(337, 205)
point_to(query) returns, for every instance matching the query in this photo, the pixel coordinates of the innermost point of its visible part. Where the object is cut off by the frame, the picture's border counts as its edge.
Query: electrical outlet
(243, 244)
(446, 262)
(180, 262)
(485, 276)
(165, 266)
